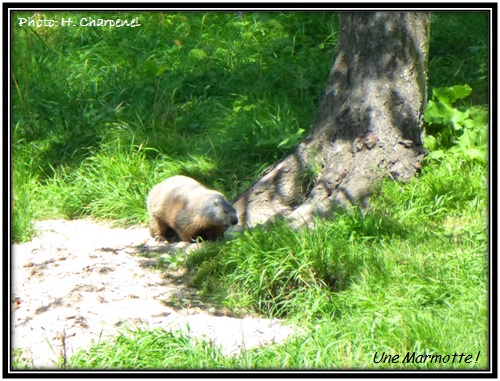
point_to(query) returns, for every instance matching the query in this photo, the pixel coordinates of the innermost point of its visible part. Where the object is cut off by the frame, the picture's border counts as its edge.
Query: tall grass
(101, 115)
(458, 52)
(184, 93)
(408, 277)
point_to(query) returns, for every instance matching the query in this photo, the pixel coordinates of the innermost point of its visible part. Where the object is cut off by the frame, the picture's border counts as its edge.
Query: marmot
(182, 205)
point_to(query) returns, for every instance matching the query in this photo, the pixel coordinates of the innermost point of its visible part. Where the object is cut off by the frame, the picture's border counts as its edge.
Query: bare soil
(80, 282)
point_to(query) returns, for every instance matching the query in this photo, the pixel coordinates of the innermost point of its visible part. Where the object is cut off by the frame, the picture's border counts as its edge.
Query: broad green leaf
(466, 139)
(461, 92)
(469, 124)
(434, 155)
(440, 113)
(433, 113)
(448, 95)
(430, 142)
(470, 153)
(475, 153)
(443, 95)
(459, 116)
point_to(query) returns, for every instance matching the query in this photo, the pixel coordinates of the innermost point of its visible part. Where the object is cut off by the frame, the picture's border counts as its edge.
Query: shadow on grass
(275, 271)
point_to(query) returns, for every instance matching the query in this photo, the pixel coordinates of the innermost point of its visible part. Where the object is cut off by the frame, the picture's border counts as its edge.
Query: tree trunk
(368, 125)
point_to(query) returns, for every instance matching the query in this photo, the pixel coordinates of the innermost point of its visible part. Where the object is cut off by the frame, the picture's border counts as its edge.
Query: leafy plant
(459, 131)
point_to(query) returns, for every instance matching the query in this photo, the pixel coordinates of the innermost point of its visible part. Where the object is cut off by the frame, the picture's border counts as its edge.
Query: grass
(157, 349)
(458, 52)
(190, 102)
(95, 126)
(410, 276)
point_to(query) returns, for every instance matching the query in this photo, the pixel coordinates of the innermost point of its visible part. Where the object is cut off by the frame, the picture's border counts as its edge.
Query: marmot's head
(218, 210)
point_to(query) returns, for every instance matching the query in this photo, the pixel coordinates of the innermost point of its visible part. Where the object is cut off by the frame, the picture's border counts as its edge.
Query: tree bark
(368, 125)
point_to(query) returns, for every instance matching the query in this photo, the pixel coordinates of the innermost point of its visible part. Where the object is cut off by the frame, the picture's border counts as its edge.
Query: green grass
(157, 349)
(189, 94)
(212, 96)
(409, 276)
(458, 52)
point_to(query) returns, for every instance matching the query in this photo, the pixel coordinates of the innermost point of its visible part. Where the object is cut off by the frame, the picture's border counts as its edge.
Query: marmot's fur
(184, 206)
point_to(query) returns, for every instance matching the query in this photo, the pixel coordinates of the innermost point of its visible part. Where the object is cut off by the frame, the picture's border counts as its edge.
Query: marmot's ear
(216, 202)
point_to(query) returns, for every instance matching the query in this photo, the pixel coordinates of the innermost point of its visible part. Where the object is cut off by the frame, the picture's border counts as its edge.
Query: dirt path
(81, 281)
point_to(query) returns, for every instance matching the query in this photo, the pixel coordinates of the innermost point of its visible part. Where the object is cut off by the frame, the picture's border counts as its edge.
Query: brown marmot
(182, 205)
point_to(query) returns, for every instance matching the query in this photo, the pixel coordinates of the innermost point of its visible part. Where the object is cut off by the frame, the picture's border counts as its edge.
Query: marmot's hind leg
(160, 231)
(171, 235)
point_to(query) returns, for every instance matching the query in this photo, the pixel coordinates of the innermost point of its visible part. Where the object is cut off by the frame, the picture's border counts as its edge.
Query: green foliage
(266, 281)
(458, 52)
(462, 132)
(219, 96)
(156, 349)
(23, 208)
(104, 113)
(386, 281)
(193, 90)
(273, 273)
